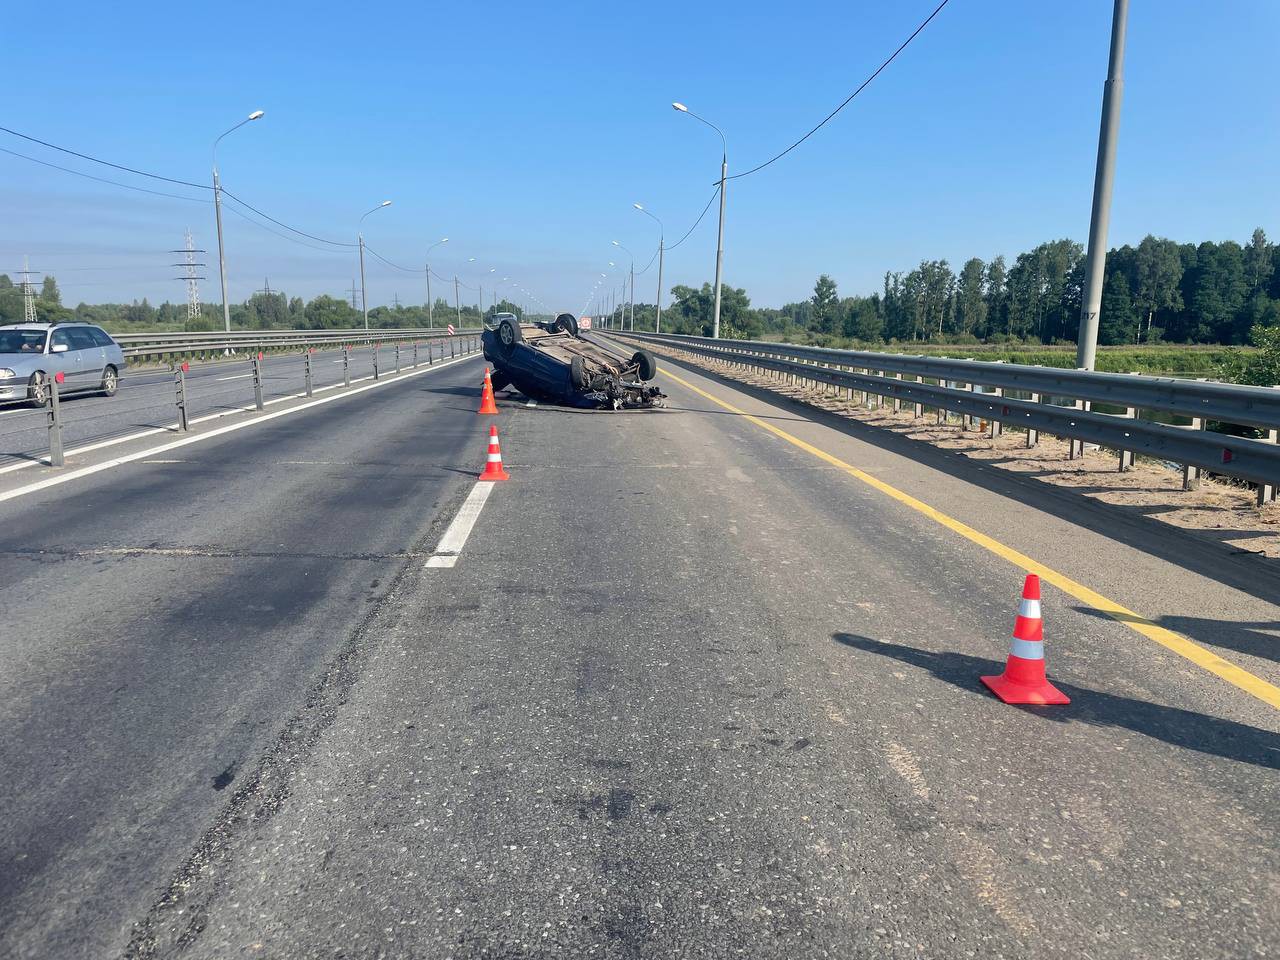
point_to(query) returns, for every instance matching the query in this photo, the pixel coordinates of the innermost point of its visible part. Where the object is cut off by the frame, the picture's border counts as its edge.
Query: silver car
(31, 353)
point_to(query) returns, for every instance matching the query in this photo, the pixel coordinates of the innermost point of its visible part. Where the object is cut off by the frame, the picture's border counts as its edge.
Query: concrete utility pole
(217, 214)
(364, 299)
(724, 173)
(457, 300)
(431, 307)
(1103, 180)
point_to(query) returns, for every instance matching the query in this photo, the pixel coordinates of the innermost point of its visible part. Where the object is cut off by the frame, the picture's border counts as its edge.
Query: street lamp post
(724, 169)
(217, 214)
(632, 299)
(364, 299)
(431, 307)
(657, 323)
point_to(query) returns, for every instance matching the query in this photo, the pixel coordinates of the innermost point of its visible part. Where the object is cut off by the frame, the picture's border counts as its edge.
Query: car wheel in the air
(578, 373)
(509, 335)
(648, 366)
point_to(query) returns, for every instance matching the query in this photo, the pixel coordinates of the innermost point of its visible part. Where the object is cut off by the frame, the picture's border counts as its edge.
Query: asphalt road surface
(690, 689)
(146, 397)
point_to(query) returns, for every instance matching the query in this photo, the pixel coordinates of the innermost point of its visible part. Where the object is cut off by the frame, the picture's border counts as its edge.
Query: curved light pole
(431, 307)
(724, 169)
(217, 214)
(657, 323)
(632, 299)
(364, 300)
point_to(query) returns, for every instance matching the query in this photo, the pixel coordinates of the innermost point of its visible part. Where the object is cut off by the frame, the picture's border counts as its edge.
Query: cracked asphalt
(689, 691)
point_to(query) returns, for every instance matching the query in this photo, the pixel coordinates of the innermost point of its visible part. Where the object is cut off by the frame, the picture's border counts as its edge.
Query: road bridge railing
(1035, 398)
(73, 413)
(159, 346)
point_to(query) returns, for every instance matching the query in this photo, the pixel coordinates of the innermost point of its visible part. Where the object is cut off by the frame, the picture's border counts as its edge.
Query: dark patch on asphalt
(178, 918)
(221, 781)
(620, 801)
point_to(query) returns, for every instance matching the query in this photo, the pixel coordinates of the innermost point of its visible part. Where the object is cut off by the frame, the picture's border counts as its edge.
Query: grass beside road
(1191, 360)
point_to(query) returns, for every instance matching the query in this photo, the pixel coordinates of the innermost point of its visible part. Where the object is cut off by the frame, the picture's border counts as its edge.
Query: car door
(65, 359)
(92, 357)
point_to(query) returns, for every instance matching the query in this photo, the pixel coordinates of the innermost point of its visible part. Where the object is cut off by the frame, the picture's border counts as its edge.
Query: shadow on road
(1258, 638)
(1180, 728)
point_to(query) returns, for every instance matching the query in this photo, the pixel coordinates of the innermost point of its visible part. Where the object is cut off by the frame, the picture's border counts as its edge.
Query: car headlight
(6, 373)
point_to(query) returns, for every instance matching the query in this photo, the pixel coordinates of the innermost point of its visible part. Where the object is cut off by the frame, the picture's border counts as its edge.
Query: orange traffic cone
(486, 395)
(1023, 680)
(493, 468)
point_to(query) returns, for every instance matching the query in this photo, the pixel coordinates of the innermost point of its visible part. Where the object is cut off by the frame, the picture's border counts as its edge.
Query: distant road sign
(584, 323)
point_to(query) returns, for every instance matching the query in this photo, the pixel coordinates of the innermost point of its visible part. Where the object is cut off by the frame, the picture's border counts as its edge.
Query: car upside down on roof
(553, 362)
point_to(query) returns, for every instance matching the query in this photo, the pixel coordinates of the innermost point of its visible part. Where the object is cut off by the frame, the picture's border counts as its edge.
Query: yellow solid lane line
(1202, 657)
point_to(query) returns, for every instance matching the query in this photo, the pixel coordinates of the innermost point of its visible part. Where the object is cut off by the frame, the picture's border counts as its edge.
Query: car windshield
(21, 341)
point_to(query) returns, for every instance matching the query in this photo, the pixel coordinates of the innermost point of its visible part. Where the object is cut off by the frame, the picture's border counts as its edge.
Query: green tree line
(262, 311)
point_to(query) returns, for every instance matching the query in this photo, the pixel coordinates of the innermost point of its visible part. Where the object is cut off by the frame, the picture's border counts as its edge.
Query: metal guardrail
(53, 413)
(137, 345)
(882, 374)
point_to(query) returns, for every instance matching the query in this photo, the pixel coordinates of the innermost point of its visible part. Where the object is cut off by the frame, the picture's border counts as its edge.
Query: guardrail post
(180, 395)
(54, 411)
(1126, 456)
(453, 343)
(415, 354)
(346, 365)
(1033, 435)
(397, 356)
(897, 399)
(431, 352)
(306, 360)
(1075, 448)
(1267, 491)
(257, 379)
(997, 428)
(918, 408)
(1191, 474)
(376, 348)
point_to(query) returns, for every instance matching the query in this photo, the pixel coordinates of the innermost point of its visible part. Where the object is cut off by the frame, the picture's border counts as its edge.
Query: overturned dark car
(553, 362)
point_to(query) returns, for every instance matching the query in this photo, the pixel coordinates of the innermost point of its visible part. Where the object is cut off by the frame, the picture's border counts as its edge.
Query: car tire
(648, 366)
(578, 373)
(509, 335)
(38, 390)
(110, 381)
(568, 323)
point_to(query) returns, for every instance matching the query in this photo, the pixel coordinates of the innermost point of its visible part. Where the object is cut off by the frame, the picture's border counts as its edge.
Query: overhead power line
(107, 163)
(337, 243)
(276, 233)
(714, 193)
(395, 266)
(849, 99)
(114, 183)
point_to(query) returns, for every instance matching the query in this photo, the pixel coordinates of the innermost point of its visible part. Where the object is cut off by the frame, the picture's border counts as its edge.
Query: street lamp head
(638, 206)
(257, 114)
(385, 203)
(615, 243)
(471, 259)
(445, 240)
(680, 106)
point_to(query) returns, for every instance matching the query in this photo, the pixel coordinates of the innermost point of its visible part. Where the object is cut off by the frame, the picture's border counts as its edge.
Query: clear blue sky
(524, 132)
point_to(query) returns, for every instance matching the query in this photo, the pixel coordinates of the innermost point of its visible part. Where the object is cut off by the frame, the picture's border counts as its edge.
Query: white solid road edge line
(455, 537)
(203, 418)
(217, 432)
